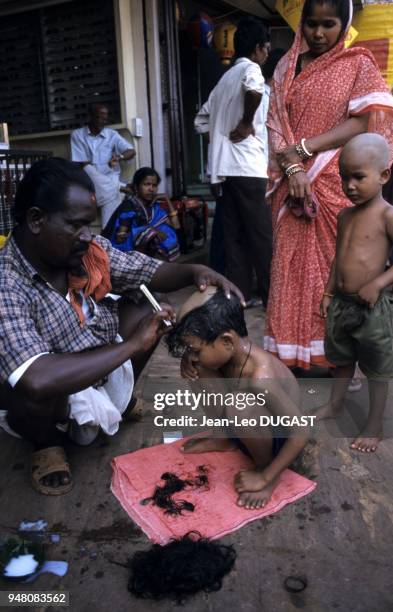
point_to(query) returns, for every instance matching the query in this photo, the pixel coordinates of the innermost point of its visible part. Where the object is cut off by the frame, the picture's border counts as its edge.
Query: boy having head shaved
(212, 329)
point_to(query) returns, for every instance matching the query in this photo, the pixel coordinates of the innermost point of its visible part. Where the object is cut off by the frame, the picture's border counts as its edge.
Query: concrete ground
(340, 537)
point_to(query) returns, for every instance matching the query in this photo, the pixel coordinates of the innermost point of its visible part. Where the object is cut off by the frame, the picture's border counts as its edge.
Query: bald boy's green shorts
(355, 332)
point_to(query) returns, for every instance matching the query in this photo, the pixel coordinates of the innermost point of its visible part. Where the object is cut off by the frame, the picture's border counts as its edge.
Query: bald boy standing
(355, 303)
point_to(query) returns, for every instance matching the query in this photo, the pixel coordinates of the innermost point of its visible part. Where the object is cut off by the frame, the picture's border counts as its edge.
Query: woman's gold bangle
(294, 170)
(326, 294)
(173, 213)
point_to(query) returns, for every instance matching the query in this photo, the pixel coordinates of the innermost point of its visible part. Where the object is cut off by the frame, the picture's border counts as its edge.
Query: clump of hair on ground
(180, 569)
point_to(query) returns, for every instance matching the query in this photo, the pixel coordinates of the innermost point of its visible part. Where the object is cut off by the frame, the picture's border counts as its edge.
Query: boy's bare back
(265, 366)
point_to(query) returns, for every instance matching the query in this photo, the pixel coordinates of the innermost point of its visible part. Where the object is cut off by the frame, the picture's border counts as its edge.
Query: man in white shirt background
(100, 149)
(234, 117)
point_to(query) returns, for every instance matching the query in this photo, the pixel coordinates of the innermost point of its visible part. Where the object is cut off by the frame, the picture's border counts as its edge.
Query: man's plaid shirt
(35, 318)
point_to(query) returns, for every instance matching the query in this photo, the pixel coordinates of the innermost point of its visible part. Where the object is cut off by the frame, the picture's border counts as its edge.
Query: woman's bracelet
(302, 150)
(287, 168)
(327, 294)
(294, 169)
(173, 213)
(303, 145)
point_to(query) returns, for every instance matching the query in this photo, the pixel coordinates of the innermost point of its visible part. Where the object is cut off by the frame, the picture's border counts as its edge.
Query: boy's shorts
(370, 342)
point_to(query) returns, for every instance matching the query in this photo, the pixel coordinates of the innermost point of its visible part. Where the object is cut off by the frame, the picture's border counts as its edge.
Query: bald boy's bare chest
(362, 228)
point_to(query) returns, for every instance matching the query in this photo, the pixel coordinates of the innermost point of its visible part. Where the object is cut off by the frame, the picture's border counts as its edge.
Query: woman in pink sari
(322, 96)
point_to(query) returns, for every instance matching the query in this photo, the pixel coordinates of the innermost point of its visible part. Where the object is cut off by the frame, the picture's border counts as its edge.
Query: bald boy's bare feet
(254, 491)
(208, 445)
(365, 444)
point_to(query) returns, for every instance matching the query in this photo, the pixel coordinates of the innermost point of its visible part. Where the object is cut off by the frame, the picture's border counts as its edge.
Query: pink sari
(339, 84)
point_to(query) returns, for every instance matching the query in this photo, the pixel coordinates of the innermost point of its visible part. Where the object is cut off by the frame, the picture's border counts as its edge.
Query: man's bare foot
(250, 481)
(208, 445)
(365, 444)
(328, 412)
(253, 500)
(58, 479)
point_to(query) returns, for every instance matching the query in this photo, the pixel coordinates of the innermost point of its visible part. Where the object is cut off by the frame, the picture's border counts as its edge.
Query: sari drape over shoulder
(336, 86)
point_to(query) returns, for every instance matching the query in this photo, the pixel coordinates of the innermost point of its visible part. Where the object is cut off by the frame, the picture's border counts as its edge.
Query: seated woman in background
(140, 223)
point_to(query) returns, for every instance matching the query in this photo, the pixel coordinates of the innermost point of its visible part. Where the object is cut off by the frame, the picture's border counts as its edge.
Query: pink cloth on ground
(216, 513)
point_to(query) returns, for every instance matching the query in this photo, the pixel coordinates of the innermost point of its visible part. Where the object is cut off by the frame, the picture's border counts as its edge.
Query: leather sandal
(49, 461)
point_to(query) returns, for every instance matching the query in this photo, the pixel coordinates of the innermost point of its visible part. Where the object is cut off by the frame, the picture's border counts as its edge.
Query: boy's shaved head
(197, 299)
(206, 315)
(367, 148)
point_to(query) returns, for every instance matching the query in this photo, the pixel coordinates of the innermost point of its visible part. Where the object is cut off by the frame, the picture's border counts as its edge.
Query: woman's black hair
(249, 33)
(45, 185)
(216, 316)
(342, 8)
(142, 173)
(181, 568)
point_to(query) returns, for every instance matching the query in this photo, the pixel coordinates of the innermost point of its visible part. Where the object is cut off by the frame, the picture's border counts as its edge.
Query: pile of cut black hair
(217, 316)
(162, 496)
(181, 568)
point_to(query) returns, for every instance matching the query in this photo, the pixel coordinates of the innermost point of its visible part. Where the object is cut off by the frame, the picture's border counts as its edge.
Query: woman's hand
(204, 277)
(287, 157)
(122, 235)
(299, 186)
(174, 220)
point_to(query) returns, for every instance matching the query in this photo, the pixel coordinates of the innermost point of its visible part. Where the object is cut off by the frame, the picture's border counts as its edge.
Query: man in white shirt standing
(235, 119)
(100, 150)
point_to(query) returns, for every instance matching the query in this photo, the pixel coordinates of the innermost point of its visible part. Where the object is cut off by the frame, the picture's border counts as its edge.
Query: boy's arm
(328, 291)
(371, 292)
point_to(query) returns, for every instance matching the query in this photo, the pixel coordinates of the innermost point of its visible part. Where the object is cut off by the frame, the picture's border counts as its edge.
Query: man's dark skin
(98, 119)
(54, 244)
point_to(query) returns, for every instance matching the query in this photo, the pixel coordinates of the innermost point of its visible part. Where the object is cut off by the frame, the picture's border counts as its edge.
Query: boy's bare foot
(366, 444)
(208, 445)
(253, 500)
(249, 480)
(328, 412)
